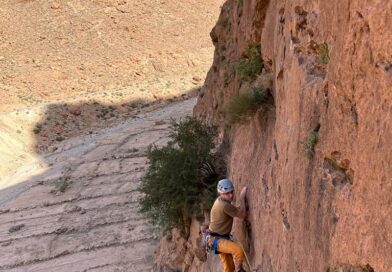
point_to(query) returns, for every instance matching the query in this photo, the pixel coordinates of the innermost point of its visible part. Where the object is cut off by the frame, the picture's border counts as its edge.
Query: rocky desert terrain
(111, 49)
(73, 67)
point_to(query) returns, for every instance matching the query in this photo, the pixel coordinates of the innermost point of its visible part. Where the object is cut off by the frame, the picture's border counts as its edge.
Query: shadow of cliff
(63, 121)
(112, 169)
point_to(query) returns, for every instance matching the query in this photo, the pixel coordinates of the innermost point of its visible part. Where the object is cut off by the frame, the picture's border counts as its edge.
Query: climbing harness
(211, 240)
(214, 247)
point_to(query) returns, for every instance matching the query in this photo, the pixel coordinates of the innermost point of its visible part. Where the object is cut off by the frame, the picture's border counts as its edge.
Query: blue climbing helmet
(225, 186)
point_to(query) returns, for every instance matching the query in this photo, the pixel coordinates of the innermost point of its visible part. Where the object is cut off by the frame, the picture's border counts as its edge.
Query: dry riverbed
(81, 212)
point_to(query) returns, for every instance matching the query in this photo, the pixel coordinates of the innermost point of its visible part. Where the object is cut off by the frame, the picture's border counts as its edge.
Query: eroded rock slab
(82, 214)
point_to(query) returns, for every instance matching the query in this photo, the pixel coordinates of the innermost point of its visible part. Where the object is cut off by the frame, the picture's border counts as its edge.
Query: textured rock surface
(309, 214)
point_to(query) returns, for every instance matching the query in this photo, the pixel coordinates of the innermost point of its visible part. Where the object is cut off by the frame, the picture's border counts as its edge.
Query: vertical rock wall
(331, 68)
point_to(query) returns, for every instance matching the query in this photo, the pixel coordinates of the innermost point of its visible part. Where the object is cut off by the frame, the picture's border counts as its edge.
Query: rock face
(331, 69)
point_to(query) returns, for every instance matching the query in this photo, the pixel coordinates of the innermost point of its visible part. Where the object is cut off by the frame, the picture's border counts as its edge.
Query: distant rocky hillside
(105, 49)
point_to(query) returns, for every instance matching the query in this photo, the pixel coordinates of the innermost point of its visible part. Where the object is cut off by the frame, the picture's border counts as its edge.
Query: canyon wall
(328, 65)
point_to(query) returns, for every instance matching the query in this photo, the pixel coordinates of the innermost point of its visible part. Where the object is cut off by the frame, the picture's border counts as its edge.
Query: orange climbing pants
(231, 255)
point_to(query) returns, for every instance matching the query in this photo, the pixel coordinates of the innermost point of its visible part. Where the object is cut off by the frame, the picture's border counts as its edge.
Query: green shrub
(61, 185)
(181, 176)
(240, 3)
(37, 129)
(250, 63)
(310, 143)
(324, 52)
(244, 105)
(60, 138)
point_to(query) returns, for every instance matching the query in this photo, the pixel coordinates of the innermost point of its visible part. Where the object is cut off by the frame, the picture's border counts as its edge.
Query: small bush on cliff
(180, 176)
(250, 63)
(311, 142)
(37, 129)
(324, 52)
(240, 5)
(244, 105)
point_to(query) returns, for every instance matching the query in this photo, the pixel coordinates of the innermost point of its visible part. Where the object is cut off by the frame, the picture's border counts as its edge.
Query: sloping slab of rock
(82, 214)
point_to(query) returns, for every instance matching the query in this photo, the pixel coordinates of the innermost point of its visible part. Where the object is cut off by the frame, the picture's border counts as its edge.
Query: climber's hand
(243, 192)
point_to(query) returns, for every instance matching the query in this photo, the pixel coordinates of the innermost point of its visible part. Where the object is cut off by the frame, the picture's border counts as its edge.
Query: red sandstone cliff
(335, 208)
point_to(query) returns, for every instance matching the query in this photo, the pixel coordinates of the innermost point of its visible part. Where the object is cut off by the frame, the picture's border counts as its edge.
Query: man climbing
(221, 222)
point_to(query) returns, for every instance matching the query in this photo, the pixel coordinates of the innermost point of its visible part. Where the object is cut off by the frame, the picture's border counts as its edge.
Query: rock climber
(221, 222)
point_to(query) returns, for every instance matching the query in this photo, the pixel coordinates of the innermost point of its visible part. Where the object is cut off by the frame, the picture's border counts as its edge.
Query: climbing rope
(246, 255)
